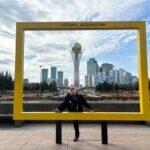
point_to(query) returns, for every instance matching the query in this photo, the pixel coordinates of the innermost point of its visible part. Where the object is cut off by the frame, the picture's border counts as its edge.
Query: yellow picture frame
(140, 26)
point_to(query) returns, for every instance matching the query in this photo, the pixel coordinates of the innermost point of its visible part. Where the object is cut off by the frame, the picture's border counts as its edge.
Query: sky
(52, 48)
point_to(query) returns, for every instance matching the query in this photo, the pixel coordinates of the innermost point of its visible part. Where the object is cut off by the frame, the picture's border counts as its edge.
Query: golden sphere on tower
(77, 47)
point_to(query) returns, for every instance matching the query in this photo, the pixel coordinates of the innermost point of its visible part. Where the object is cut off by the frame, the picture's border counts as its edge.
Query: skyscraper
(124, 77)
(134, 79)
(86, 81)
(90, 80)
(106, 67)
(53, 73)
(45, 75)
(92, 67)
(60, 79)
(92, 71)
(113, 76)
(76, 54)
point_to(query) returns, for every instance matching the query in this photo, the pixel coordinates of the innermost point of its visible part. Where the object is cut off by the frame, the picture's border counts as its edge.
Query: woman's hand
(91, 110)
(57, 110)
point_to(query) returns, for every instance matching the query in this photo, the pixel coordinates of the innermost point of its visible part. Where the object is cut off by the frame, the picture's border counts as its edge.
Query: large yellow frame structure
(140, 26)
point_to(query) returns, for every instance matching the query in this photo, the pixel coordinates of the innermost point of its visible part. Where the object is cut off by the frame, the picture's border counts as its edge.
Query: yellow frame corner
(140, 26)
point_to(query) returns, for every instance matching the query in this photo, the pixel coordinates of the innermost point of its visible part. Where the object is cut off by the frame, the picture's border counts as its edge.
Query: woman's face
(71, 92)
(75, 91)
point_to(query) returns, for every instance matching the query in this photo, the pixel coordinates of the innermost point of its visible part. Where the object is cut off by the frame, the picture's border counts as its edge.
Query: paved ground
(36, 136)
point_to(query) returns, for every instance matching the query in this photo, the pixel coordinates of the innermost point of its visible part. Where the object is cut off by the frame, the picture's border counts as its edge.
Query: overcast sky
(52, 48)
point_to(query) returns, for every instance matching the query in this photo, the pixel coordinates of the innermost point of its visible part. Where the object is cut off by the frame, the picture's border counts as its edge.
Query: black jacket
(74, 103)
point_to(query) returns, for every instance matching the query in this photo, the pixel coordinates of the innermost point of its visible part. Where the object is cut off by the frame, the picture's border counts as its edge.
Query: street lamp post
(113, 89)
(40, 80)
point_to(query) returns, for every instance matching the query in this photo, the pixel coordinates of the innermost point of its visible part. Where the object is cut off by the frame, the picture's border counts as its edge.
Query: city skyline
(60, 56)
(106, 72)
(52, 74)
(116, 47)
(96, 70)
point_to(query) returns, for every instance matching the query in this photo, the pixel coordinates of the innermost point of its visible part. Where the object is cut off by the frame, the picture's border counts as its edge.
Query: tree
(105, 86)
(44, 86)
(52, 86)
(6, 81)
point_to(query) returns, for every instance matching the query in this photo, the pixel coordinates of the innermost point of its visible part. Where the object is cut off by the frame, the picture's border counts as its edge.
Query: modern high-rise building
(86, 81)
(96, 80)
(92, 67)
(106, 67)
(66, 83)
(60, 79)
(92, 72)
(45, 75)
(101, 77)
(124, 76)
(53, 73)
(106, 73)
(113, 76)
(134, 79)
(76, 54)
(90, 80)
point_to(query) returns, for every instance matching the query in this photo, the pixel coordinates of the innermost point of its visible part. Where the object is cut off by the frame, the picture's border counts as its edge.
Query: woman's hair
(73, 88)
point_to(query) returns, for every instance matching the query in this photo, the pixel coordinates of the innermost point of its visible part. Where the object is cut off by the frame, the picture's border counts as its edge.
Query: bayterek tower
(76, 54)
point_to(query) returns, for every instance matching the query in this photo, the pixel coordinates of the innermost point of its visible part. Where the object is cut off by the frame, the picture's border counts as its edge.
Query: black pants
(76, 128)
